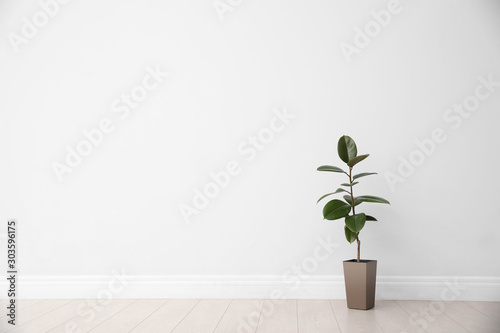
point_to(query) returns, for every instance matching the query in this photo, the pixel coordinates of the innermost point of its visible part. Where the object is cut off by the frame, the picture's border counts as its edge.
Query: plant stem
(359, 243)
(353, 210)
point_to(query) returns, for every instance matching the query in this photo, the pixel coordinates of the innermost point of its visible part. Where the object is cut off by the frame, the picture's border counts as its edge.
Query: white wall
(119, 209)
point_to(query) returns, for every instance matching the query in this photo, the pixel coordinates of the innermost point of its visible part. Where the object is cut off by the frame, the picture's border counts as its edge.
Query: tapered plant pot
(360, 280)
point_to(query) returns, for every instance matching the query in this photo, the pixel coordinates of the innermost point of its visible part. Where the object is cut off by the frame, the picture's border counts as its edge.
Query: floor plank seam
(481, 312)
(334, 315)
(456, 321)
(43, 314)
(409, 315)
(162, 305)
(231, 301)
(377, 323)
(180, 321)
(19, 308)
(297, 313)
(109, 318)
(260, 315)
(66, 321)
(63, 322)
(77, 316)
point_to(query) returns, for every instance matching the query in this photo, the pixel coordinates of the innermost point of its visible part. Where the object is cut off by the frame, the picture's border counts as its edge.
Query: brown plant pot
(360, 280)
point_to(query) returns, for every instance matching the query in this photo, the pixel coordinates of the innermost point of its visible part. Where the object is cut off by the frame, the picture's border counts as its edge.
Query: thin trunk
(353, 211)
(359, 243)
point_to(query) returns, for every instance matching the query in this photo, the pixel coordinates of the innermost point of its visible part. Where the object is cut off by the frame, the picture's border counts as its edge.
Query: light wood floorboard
(490, 309)
(167, 317)
(89, 316)
(204, 317)
(242, 316)
(471, 319)
(432, 316)
(49, 320)
(29, 313)
(355, 321)
(20, 304)
(127, 319)
(278, 316)
(391, 318)
(316, 316)
(250, 316)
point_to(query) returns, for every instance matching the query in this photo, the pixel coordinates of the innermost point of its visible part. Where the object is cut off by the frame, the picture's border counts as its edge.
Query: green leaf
(356, 160)
(349, 235)
(348, 199)
(355, 222)
(338, 191)
(330, 168)
(349, 184)
(364, 174)
(336, 209)
(346, 148)
(370, 218)
(372, 198)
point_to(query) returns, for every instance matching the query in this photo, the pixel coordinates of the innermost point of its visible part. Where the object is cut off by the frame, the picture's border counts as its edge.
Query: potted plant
(360, 275)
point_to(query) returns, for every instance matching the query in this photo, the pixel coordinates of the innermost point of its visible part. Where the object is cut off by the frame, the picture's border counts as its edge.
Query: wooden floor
(245, 316)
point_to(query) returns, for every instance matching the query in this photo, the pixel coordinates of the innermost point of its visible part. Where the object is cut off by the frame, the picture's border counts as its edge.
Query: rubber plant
(338, 209)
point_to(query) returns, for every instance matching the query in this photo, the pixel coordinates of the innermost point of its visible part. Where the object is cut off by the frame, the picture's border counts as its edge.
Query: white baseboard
(252, 287)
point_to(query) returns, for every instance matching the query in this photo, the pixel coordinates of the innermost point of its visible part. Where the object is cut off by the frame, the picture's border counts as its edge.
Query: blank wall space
(119, 209)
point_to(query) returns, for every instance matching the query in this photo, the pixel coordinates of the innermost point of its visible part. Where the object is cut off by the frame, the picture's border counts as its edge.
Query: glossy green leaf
(372, 198)
(336, 209)
(364, 174)
(355, 222)
(348, 199)
(349, 235)
(349, 184)
(370, 218)
(346, 148)
(330, 168)
(356, 160)
(338, 191)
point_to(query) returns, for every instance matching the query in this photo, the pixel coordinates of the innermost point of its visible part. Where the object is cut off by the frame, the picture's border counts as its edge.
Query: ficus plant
(338, 209)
